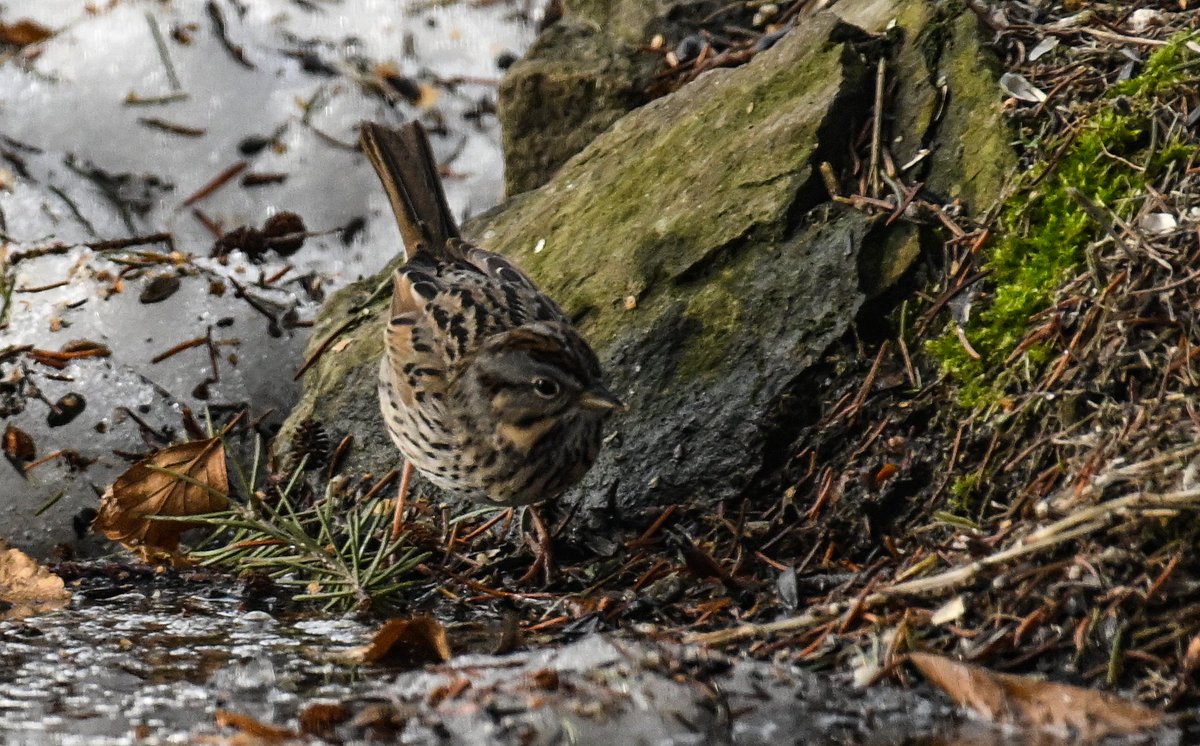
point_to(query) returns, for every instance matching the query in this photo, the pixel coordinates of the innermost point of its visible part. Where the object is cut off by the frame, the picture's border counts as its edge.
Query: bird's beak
(600, 398)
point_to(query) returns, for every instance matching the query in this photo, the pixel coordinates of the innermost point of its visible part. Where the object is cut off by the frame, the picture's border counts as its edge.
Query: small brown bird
(485, 386)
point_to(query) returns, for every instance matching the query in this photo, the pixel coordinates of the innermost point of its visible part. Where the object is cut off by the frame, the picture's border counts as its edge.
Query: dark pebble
(408, 88)
(352, 229)
(253, 145)
(505, 60)
(159, 288)
(689, 48)
(82, 521)
(284, 232)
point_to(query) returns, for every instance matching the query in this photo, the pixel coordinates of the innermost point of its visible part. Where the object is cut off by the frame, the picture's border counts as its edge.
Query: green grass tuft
(332, 550)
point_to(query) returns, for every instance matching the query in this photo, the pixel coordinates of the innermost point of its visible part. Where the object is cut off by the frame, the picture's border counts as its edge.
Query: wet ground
(135, 664)
(139, 661)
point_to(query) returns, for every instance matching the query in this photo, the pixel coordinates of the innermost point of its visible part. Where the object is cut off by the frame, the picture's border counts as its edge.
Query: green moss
(611, 226)
(962, 491)
(1165, 72)
(1045, 231)
(936, 32)
(716, 308)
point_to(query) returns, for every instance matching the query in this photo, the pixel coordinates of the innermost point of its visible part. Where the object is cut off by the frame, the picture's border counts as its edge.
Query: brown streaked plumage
(485, 386)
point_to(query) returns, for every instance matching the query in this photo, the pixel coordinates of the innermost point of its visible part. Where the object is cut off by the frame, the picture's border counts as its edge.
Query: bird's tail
(408, 170)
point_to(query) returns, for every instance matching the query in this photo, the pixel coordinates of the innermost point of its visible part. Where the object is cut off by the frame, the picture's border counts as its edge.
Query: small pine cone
(284, 232)
(312, 441)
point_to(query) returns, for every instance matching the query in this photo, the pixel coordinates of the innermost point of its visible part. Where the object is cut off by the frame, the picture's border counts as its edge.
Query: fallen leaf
(429, 96)
(1043, 46)
(1191, 658)
(260, 732)
(1158, 222)
(448, 691)
(950, 611)
(406, 643)
(27, 588)
(1090, 715)
(545, 678)
(19, 448)
(1018, 87)
(181, 480)
(320, 718)
(383, 720)
(1143, 19)
(23, 33)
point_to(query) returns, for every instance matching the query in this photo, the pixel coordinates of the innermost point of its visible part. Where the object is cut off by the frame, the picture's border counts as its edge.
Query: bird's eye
(545, 387)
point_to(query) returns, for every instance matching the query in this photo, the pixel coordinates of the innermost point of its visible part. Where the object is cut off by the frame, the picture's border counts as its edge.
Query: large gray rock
(694, 244)
(574, 82)
(691, 208)
(584, 72)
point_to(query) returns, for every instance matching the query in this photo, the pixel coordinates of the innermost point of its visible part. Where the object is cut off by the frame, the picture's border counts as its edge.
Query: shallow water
(152, 665)
(149, 660)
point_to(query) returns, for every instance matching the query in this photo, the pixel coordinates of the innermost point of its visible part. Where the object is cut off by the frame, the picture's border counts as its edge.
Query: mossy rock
(945, 115)
(573, 83)
(694, 244)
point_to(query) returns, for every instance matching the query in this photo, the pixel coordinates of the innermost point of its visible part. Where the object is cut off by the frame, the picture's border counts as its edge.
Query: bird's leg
(544, 550)
(401, 499)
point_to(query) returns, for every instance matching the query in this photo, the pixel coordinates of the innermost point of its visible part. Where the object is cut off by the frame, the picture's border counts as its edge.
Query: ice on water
(68, 101)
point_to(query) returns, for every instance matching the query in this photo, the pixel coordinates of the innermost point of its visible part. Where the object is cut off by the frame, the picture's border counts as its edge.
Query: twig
(74, 208)
(163, 54)
(216, 183)
(325, 343)
(171, 352)
(42, 288)
(173, 128)
(235, 51)
(1080, 523)
(877, 126)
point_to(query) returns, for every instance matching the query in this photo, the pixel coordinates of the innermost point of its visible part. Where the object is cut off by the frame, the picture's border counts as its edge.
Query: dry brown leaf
(429, 97)
(182, 480)
(259, 732)
(18, 447)
(407, 643)
(27, 588)
(1191, 658)
(23, 33)
(1021, 700)
(320, 718)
